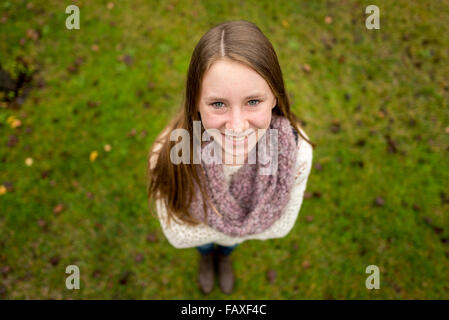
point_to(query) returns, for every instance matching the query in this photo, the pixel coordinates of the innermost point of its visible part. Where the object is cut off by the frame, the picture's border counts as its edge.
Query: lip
(237, 140)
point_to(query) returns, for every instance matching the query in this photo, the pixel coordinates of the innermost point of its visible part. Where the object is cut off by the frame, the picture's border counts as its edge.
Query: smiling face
(235, 106)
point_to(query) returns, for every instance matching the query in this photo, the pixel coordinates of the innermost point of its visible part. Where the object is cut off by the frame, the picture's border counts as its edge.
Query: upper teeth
(236, 138)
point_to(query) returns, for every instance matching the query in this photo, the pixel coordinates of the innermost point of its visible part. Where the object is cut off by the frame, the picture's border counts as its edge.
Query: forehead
(232, 79)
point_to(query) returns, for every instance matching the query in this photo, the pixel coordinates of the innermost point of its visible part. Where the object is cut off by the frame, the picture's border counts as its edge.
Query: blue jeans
(209, 247)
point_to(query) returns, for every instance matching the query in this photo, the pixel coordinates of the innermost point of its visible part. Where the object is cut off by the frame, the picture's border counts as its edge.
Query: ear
(275, 104)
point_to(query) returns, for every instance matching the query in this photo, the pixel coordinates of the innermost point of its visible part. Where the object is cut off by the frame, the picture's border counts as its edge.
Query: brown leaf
(126, 58)
(58, 208)
(12, 141)
(379, 201)
(309, 218)
(55, 260)
(138, 258)
(32, 34)
(316, 194)
(132, 133)
(271, 276)
(96, 273)
(306, 264)
(9, 186)
(124, 277)
(151, 237)
(335, 126)
(358, 163)
(318, 166)
(93, 104)
(5, 270)
(306, 68)
(391, 144)
(360, 142)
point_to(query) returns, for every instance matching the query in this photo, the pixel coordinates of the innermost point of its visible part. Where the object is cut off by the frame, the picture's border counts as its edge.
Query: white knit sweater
(185, 236)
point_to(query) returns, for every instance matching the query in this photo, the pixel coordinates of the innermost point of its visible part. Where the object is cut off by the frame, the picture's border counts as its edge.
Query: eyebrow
(255, 95)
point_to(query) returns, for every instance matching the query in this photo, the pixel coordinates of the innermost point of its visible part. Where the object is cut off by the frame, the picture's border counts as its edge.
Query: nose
(236, 122)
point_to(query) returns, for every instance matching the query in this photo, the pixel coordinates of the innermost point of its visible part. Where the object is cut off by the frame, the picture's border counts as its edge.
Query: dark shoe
(225, 273)
(206, 276)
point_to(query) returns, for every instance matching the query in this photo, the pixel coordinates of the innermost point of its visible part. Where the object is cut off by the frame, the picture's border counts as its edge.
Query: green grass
(373, 82)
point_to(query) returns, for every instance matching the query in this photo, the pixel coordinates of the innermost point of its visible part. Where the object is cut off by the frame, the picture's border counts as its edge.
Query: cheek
(209, 120)
(262, 119)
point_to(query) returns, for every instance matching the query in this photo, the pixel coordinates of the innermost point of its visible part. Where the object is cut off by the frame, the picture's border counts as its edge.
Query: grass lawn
(375, 102)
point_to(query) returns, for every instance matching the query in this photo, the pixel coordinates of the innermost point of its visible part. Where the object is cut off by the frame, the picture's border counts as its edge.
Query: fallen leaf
(110, 5)
(391, 144)
(16, 123)
(5, 270)
(306, 264)
(58, 208)
(12, 141)
(55, 260)
(93, 155)
(2, 190)
(151, 237)
(95, 47)
(309, 218)
(124, 277)
(360, 142)
(306, 67)
(379, 201)
(126, 58)
(271, 276)
(328, 20)
(29, 162)
(138, 258)
(107, 147)
(335, 126)
(32, 34)
(132, 133)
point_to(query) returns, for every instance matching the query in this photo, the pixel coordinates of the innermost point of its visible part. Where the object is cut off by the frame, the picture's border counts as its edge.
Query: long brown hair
(240, 41)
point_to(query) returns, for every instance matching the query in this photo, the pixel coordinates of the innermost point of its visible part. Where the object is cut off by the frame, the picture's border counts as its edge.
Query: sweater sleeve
(182, 235)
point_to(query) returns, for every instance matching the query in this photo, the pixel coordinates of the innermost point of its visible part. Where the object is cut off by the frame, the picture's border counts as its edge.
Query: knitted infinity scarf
(253, 200)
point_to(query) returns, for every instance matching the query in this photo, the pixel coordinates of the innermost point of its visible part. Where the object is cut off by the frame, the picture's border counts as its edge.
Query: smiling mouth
(236, 139)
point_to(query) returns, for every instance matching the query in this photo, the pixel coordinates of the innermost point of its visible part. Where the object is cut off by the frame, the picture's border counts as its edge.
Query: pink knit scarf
(253, 200)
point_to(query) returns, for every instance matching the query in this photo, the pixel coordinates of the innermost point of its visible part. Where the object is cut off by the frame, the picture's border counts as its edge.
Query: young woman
(235, 110)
